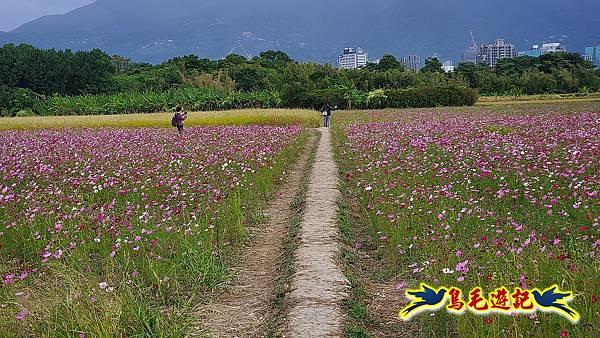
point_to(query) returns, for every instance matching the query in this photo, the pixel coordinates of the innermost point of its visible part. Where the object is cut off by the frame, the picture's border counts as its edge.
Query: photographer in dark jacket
(326, 112)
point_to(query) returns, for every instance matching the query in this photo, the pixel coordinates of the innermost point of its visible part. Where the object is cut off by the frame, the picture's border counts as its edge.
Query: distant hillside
(154, 30)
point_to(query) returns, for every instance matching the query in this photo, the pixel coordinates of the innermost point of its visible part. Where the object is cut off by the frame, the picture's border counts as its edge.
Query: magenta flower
(9, 279)
(401, 286)
(462, 267)
(21, 315)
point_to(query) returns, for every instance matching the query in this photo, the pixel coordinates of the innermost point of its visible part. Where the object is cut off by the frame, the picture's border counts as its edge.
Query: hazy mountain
(154, 30)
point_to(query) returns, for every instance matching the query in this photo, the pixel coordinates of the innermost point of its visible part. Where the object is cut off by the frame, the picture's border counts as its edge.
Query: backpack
(174, 121)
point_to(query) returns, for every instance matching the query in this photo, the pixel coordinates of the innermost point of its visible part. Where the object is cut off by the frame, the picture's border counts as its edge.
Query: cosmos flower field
(113, 230)
(481, 198)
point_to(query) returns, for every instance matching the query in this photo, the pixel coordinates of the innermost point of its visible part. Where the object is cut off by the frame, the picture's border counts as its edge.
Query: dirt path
(318, 287)
(244, 308)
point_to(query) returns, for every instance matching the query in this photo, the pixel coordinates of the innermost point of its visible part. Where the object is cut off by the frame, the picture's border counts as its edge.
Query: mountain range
(155, 30)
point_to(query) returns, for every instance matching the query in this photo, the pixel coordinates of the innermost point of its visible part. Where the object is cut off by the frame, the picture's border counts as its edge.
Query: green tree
(232, 60)
(537, 82)
(387, 62)
(249, 77)
(432, 65)
(350, 94)
(273, 59)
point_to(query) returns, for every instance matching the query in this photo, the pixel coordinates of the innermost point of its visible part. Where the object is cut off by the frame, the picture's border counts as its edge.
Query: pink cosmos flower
(102, 285)
(400, 286)
(21, 315)
(462, 267)
(9, 279)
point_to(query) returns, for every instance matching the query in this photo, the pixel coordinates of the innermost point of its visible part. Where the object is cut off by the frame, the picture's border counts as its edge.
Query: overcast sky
(14, 13)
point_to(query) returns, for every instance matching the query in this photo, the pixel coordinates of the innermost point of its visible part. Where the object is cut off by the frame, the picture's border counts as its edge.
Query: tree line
(29, 75)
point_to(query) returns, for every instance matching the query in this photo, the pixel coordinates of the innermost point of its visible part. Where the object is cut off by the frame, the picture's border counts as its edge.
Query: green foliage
(388, 62)
(52, 72)
(249, 77)
(376, 99)
(433, 96)
(298, 85)
(198, 99)
(273, 59)
(350, 94)
(432, 65)
(13, 100)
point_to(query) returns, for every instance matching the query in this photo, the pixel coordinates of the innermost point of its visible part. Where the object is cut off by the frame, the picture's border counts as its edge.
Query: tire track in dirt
(244, 309)
(318, 287)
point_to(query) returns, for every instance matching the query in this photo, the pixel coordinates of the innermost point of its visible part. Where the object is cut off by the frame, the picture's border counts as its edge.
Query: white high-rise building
(447, 66)
(412, 61)
(353, 58)
(490, 54)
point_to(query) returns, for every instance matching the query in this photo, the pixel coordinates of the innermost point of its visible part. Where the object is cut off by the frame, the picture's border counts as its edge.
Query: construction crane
(231, 51)
(248, 55)
(473, 39)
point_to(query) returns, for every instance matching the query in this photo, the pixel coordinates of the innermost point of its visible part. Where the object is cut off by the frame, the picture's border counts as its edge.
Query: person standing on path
(178, 119)
(326, 111)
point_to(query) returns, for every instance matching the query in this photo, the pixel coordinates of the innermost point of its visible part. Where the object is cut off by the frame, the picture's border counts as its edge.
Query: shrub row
(198, 99)
(438, 96)
(417, 97)
(20, 102)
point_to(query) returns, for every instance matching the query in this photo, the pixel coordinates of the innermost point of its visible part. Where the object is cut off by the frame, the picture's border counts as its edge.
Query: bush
(24, 113)
(13, 100)
(295, 96)
(433, 96)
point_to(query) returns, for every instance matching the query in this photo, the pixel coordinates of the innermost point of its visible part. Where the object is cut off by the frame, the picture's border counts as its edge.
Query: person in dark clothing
(326, 111)
(180, 116)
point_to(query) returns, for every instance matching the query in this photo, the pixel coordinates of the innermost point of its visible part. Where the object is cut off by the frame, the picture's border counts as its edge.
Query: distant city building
(412, 61)
(447, 66)
(592, 54)
(353, 58)
(470, 54)
(537, 51)
(490, 54)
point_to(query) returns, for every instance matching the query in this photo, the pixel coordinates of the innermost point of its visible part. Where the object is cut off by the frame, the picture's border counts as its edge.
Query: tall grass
(303, 117)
